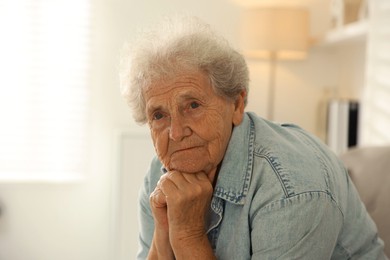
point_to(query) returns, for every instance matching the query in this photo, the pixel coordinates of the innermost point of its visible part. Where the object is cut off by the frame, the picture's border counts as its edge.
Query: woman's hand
(161, 247)
(179, 204)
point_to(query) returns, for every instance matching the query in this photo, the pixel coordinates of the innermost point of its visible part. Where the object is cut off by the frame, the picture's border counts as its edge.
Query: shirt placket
(214, 219)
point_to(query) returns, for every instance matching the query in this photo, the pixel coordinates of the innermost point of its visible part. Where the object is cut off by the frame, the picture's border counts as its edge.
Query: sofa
(369, 168)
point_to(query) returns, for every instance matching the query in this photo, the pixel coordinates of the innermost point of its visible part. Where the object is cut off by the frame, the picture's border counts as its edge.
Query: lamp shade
(283, 32)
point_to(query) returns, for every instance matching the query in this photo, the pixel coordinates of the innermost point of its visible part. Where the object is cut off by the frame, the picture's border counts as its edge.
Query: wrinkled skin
(191, 127)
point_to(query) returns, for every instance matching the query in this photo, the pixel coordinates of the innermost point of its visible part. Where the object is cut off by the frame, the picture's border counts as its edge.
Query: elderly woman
(226, 184)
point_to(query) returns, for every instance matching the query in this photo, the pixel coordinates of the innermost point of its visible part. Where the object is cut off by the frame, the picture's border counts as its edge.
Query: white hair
(179, 45)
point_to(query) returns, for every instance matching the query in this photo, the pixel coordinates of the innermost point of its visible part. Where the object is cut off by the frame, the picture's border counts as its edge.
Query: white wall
(375, 123)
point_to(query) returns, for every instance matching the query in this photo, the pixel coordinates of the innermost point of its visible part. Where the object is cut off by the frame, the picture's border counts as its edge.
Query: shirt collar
(236, 169)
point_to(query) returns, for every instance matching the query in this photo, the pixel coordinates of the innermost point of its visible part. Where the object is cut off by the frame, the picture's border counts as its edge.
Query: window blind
(44, 94)
(376, 101)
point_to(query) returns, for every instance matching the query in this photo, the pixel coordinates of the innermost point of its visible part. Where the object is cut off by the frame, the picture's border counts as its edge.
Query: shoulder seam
(272, 204)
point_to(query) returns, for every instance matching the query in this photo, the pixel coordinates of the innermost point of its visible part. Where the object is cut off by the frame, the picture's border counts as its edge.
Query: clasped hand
(179, 205)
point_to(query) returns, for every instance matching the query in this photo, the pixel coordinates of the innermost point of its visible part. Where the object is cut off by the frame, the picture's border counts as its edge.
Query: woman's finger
(158, 198)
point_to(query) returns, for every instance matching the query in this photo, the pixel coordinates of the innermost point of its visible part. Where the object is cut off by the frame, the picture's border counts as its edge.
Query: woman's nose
(178, 128)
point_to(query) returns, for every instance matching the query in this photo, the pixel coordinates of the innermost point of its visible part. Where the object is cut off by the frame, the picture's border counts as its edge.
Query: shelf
(350, 33)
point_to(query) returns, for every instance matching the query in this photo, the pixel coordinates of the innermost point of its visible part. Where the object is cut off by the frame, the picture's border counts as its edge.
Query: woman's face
(190, 124)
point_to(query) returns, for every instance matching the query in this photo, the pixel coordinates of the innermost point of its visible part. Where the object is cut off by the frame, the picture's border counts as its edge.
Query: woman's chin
(190, 166)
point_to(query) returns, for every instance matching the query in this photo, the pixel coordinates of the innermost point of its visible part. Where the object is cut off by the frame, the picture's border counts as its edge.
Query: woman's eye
(157, 116)
(194, 105)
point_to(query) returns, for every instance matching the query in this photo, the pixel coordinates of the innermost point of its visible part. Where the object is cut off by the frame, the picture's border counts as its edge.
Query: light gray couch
(369, 168)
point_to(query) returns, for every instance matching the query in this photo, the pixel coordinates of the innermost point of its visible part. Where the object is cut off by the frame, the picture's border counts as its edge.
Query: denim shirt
(280, 194)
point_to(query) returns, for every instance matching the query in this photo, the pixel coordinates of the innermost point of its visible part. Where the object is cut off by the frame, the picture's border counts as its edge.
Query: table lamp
(275, 33)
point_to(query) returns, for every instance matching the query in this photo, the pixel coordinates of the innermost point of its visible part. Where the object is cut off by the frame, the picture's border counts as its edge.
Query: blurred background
(71, 157)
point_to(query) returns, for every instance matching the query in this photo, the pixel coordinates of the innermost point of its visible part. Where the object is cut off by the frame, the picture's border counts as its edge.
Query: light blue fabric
(280, 194)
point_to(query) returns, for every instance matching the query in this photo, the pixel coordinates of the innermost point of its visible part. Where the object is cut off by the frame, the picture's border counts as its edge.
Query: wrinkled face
(190, 124)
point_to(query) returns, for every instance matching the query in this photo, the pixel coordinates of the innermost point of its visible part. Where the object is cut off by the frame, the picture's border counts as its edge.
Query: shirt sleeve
(146, 225)
(303, 226)
(145, 219)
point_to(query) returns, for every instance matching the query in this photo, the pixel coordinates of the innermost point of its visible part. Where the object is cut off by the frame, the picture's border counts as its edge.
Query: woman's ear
(239, 106)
